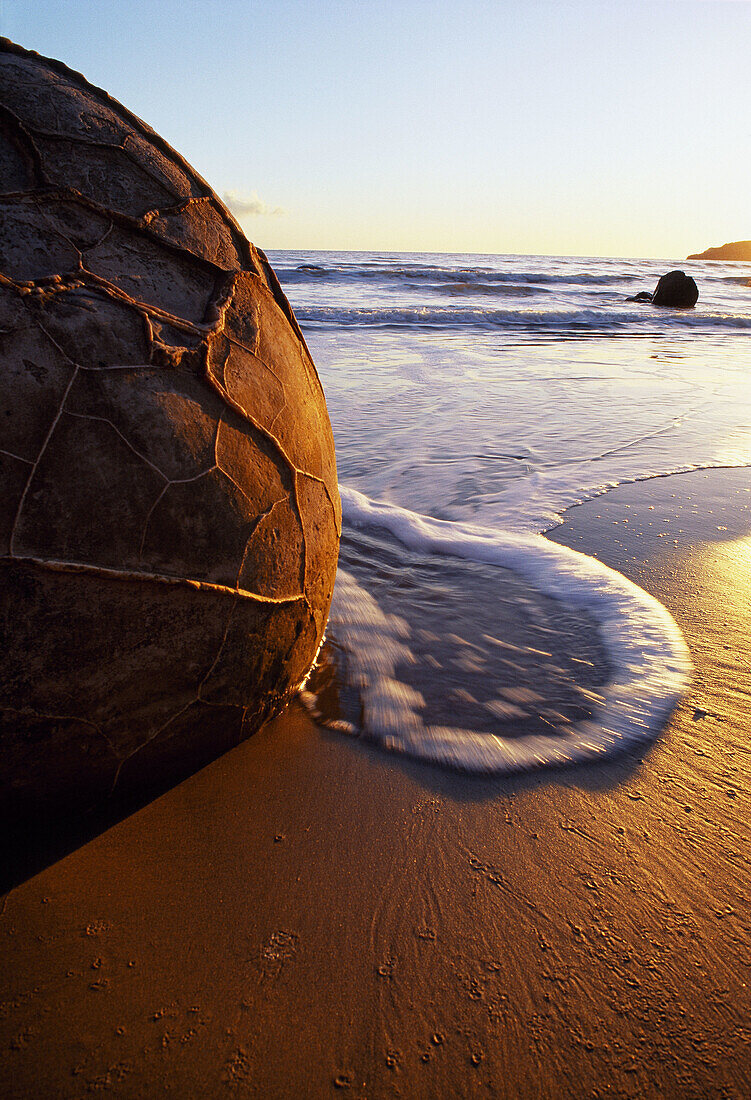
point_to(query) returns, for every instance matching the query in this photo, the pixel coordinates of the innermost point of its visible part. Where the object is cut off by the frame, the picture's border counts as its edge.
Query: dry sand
(310, 917)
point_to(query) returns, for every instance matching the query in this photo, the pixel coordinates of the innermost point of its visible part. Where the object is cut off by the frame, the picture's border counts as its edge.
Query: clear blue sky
(599, 128)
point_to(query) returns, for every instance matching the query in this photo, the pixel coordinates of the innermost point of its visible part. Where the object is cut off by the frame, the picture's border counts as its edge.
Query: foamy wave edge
(634, 318)
(651, 667)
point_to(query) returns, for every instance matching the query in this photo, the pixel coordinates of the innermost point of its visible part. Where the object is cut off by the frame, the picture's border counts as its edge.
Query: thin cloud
(251, 206)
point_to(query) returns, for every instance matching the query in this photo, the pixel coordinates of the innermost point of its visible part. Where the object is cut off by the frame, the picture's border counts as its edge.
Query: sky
(567, 128)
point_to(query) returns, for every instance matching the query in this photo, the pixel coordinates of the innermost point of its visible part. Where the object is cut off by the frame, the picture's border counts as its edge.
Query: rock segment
(170, 516)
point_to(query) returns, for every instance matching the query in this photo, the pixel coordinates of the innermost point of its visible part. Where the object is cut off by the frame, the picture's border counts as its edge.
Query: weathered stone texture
(170, 516)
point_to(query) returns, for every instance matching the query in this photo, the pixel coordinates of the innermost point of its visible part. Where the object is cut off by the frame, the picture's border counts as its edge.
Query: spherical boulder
(170, 516)
(676, 289)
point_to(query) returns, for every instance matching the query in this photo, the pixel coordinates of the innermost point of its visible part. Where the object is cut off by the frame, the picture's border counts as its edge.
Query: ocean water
(473, 400)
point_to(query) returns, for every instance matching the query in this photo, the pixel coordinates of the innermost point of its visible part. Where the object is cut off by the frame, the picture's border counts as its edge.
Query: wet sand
(310, 917)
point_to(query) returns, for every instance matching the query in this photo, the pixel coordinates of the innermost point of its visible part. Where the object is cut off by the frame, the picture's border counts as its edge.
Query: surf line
(649, 659)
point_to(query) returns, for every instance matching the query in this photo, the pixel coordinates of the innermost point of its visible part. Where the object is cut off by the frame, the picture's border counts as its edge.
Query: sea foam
(647, 657)
(631, 318)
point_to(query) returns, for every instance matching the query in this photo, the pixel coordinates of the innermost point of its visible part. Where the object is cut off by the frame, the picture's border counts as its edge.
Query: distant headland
(736, 250)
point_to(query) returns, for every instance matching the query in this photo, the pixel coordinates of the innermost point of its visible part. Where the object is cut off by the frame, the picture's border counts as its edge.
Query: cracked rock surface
(170, 516)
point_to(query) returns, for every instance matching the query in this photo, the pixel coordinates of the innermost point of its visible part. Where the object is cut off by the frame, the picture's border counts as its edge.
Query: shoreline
(309, 915)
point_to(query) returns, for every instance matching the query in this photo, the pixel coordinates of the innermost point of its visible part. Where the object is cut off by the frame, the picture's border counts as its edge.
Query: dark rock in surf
(642, 296)
(676, 289)
(170, 514)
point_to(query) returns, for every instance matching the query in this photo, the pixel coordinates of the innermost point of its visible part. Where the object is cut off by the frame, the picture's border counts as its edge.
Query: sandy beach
(308, 916)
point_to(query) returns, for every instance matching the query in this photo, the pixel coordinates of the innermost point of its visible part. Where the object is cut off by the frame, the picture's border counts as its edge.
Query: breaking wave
(434, 274)
(632, 318)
